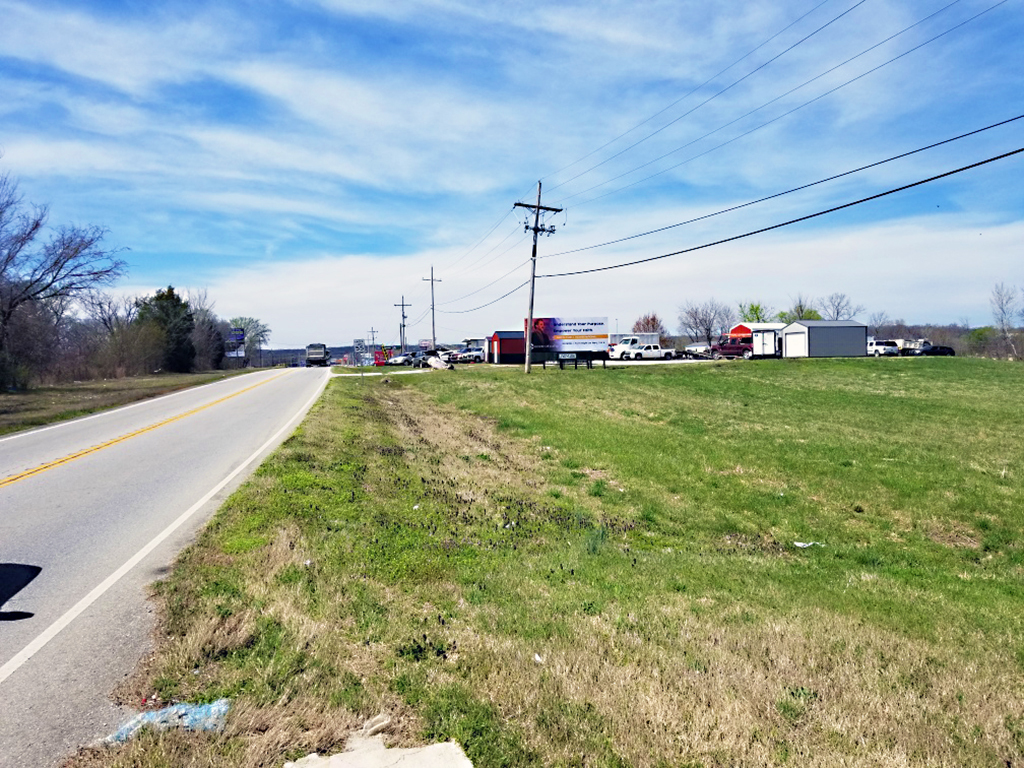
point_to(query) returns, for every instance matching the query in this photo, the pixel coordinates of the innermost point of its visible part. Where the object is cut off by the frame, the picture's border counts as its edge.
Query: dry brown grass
(47, 404)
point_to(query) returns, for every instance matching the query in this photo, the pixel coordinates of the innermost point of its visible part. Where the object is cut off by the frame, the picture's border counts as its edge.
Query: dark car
(936, 350)
(733, 346)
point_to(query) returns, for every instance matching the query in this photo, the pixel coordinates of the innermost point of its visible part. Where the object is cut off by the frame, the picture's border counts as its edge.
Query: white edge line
(109, 411)
(75, 611)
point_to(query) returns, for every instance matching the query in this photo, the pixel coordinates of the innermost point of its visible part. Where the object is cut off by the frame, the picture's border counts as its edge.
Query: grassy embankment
(599, 567)
(48, 404)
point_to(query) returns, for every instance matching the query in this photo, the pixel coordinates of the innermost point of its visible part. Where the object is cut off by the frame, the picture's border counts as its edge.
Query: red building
(506, 347)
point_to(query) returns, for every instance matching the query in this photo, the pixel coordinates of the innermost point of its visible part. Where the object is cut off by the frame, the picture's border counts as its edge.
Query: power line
(691, 92)
(481, 240)
(772, 101)
(498, 280)
(789, 191)
(495, 247)
(503, 296)
(791, 221)
(713, 96)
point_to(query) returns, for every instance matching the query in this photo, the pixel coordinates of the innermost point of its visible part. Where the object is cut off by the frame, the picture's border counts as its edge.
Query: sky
(309, 162)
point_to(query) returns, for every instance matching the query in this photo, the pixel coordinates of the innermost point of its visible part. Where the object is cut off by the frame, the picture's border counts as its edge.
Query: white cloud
(130, 56)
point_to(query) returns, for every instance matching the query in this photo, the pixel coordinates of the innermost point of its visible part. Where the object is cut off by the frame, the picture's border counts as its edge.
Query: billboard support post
(537, 228)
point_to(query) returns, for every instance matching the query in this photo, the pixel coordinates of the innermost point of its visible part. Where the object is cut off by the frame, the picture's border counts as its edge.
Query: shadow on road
(14, 577)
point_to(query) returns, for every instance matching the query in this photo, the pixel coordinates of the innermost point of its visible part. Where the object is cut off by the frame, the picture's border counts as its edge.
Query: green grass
(599, 567)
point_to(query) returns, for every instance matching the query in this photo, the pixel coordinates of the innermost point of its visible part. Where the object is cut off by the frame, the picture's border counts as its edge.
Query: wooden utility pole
(433, 328)
(401, 328)
(537, 229)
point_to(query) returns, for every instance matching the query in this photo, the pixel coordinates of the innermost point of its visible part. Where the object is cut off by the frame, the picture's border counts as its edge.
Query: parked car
(467, 355)
(886, 347)
(935, 349)
(649, 352)
(403, 358)
(733, 346)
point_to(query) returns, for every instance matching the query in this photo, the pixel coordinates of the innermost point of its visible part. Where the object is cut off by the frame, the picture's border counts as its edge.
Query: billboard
(569, 334)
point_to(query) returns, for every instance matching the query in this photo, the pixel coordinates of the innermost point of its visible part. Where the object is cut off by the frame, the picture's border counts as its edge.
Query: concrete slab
(370, 752)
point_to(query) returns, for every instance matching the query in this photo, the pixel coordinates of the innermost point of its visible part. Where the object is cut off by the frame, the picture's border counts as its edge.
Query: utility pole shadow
(14, 577)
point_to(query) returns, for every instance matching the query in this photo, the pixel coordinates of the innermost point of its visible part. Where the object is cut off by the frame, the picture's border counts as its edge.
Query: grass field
(599, 568)
(45, 405)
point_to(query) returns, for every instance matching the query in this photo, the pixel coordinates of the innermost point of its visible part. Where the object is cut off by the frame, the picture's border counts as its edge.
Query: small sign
(237, 335)
(566, 355)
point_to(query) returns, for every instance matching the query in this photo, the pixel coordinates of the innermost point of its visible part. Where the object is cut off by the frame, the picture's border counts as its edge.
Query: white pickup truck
(648, 352)
(623, 348)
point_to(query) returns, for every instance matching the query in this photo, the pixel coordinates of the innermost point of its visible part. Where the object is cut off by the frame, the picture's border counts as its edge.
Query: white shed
(825, 338)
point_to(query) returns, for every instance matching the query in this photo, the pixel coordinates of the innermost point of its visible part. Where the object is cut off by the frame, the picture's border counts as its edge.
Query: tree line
(57, 322)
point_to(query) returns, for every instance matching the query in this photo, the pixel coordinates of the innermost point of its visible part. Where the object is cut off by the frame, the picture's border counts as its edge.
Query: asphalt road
(93, 510)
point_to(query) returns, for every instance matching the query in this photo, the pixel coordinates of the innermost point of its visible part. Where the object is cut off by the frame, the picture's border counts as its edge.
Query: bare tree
(803, 308)
(69, 264)
(208, 335)
(876, 322)
(651, 323)
(838, 306)
(705, 320)
(128, 347)
(1004, 310)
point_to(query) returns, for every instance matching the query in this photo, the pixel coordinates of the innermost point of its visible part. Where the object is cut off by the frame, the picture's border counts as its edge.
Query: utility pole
(537, 229)
(433, 328)
(401, 328)
(373, 342)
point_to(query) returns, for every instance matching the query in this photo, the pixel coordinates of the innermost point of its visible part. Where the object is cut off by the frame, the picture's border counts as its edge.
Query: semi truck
(318, 354)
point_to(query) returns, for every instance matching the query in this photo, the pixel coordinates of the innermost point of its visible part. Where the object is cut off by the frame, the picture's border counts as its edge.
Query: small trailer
(767, 343)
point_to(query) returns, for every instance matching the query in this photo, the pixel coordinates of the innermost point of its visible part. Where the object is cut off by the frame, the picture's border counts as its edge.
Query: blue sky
(307, 162)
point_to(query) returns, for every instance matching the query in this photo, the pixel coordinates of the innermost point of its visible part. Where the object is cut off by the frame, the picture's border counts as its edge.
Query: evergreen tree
(169, 312)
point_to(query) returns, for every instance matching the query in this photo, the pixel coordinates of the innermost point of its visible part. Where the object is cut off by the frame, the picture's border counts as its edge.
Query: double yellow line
(99, 447)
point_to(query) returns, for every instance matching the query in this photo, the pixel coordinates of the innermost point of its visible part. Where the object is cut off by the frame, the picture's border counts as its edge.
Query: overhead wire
(482, 239)
(772, 101)
(791, 221)
(505, 216)
(712, 97)
(482, 306)
(788, 191)
(492, 249)
(498, 280)
(748, 54)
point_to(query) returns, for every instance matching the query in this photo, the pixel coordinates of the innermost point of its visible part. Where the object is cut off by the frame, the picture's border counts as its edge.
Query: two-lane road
(93, 510)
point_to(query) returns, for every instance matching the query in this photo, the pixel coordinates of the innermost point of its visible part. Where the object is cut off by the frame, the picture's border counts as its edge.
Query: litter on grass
(806, 544)
(191, 717)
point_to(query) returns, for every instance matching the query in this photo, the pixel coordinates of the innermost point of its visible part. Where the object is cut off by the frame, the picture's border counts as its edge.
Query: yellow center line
(87, 451)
